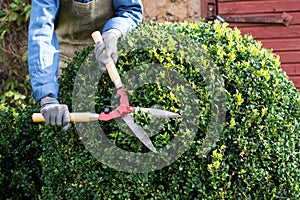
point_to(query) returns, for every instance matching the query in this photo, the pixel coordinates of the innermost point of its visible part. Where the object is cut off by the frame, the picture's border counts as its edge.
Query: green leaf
(13, 16)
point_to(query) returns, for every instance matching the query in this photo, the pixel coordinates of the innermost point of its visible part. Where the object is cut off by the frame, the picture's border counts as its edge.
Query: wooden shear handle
(74, 117)
(110, 66)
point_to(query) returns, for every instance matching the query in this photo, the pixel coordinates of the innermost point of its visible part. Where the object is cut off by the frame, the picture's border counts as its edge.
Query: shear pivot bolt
(106, 110)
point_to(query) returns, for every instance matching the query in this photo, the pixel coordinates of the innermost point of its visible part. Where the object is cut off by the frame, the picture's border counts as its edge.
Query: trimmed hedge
(20, 147)
(256, 155)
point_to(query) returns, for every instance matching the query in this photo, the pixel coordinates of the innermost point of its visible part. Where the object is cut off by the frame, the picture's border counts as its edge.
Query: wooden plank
(296, 81)
(267, 32)
(289, 56)
(295, 20)
(240, 0)
(244, 7)
(291, 69)
(284, 44)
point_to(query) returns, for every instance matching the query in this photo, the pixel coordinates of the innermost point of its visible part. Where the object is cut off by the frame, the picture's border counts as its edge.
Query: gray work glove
(54, 113)
(108, 50)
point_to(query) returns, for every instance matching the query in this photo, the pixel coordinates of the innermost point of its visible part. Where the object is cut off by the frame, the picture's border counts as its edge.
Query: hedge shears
(124, 109)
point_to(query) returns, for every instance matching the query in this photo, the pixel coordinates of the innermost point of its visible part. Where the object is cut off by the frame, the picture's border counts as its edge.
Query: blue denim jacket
(43, 47)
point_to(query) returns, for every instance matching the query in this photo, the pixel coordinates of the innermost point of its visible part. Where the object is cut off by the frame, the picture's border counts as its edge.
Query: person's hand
(106, 51)
(54, 113)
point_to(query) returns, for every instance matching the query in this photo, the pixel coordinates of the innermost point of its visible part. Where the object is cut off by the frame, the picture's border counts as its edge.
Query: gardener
(59, 28)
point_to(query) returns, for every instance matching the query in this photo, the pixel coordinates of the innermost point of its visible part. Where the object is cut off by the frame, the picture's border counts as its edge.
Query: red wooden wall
(278, 27)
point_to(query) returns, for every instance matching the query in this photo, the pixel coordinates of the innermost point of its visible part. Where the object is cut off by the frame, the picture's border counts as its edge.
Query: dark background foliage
(14, 84)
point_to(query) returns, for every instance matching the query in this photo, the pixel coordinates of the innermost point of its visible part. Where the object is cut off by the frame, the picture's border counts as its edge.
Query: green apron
(76, 22)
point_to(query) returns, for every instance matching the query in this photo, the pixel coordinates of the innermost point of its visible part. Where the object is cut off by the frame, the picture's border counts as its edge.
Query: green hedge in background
(256, 155)
(20, 149)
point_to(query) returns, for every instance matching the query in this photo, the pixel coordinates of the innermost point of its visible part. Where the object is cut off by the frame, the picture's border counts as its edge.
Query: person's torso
(76, 21)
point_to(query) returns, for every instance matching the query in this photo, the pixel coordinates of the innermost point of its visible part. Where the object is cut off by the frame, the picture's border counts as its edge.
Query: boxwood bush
(20, 147)
(255, 156)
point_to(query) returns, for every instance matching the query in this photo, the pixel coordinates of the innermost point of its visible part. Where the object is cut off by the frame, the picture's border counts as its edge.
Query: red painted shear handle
(123, 109)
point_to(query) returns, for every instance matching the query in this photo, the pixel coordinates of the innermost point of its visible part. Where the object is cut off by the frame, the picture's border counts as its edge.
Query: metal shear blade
(158, 113)
(139, 132)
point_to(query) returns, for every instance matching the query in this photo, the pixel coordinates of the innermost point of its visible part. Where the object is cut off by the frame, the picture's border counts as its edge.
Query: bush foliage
(255, 156)
(20, 147)
(14, 84)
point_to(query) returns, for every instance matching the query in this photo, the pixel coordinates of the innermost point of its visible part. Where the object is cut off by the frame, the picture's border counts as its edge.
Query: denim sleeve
(43, 49)
(128, 14)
